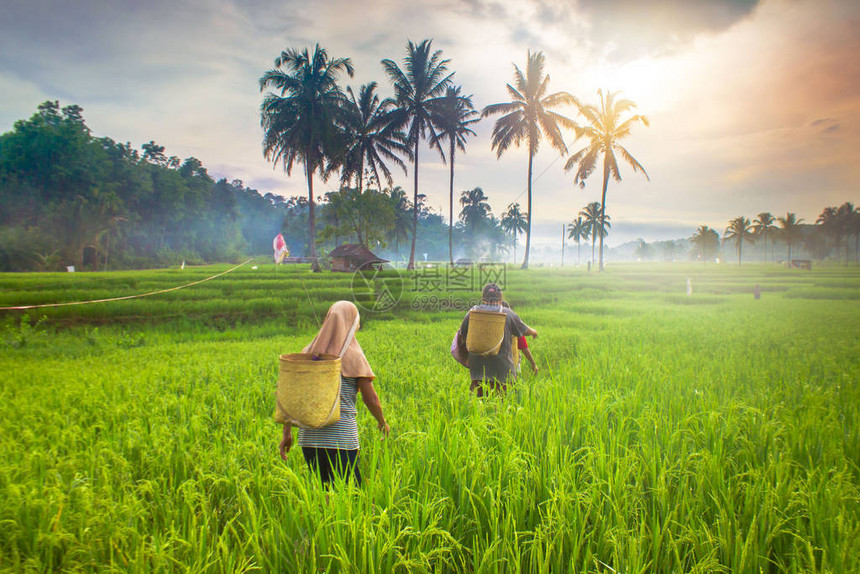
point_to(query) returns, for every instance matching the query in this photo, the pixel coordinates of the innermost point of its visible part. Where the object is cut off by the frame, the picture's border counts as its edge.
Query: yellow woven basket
(486, 332)
(308, 394)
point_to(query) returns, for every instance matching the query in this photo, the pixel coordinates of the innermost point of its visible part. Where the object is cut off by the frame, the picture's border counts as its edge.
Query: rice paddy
(713, 432)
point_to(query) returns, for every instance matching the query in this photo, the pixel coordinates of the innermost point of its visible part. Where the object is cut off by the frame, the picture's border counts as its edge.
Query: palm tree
(372, 137)
(577, 230)
(527, 118)
(852, 217)
(591, 215)
(604, 130)
(789, 230)
(739, 230)
(416, 90)
(830, 225)
(845, 215)
(706, 241)
(836, 222)
(475, 210)
(300, 116)
(762, 227)
(514, 222)
(453, 115)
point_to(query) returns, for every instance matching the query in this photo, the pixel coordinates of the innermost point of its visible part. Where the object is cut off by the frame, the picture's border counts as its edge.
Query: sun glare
(650, 83)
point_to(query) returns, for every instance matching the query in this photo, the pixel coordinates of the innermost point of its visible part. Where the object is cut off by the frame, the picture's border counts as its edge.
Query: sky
(753, 105)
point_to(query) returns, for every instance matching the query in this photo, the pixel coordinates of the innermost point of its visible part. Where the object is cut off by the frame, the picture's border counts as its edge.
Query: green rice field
(665, 432)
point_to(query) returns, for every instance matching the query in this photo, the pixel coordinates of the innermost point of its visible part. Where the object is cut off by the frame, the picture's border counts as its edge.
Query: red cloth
(280, 248)
(278, 243)
(522, 343)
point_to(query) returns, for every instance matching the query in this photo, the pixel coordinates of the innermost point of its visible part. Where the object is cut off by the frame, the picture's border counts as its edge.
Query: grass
(664, 433)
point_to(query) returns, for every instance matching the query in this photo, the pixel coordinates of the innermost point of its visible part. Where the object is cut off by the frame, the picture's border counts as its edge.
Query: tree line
(309, 120)
(836, 232)
(383, 220)
(70, 198)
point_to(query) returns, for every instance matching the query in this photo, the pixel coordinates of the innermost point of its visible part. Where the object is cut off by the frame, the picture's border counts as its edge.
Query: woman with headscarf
(333, 450)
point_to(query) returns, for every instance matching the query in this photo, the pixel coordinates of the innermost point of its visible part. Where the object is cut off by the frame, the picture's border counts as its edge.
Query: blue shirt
(343, 434)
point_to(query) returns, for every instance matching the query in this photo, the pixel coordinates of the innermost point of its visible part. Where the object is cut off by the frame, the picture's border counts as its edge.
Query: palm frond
(611, 164)
(503, 108)
(634, 163)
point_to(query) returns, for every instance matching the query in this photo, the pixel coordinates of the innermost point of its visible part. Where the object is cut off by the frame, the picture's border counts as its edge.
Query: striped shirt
(343, 434)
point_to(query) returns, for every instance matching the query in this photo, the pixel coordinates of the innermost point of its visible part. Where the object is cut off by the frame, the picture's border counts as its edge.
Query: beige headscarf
(332, 336)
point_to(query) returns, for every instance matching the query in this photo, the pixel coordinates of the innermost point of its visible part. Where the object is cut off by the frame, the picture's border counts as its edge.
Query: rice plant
(664, 432)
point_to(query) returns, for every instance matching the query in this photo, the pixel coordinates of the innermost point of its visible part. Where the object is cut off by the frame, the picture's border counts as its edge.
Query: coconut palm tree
(300, 116)
(475, 210)
(852, 222)
(763, 226)
(706, 243)
(836, 222)
(789, 230)
(417, 87)
(845, 215)
(372, 137)
(514, 222)
(453, 115)
(739, 230)
(577, 230)
(528, 118)
(592, 218)
(604, 130)
(831, 226)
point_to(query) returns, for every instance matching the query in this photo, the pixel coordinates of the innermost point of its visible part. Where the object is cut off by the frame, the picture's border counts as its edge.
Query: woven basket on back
(486, 332)
(308, 394)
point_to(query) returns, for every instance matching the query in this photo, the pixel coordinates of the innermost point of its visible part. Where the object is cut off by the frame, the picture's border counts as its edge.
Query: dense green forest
(70, 198)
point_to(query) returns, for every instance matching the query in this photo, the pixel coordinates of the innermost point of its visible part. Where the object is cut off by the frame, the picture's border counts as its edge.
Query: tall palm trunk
(593, 240)
(358, 212)
(414, 210)
(578, 253)
(451, 209)
(311, 221)
(603, 208)
(529, 214)
(515, 244)
(740, 248)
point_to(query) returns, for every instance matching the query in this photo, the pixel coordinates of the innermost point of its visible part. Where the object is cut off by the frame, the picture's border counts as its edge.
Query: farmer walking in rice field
(494, 367)
(333, 450)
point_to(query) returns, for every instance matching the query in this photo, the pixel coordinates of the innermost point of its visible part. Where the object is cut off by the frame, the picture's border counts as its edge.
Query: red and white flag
(280, 248)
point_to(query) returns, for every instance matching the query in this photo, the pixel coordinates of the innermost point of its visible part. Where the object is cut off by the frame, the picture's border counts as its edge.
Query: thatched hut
(352, 256)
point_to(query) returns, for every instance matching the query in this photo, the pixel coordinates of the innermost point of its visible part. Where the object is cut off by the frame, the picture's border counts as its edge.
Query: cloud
(632, 28)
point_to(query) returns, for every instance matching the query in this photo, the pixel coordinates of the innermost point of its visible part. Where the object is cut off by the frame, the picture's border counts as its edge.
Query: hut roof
(357, 252)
